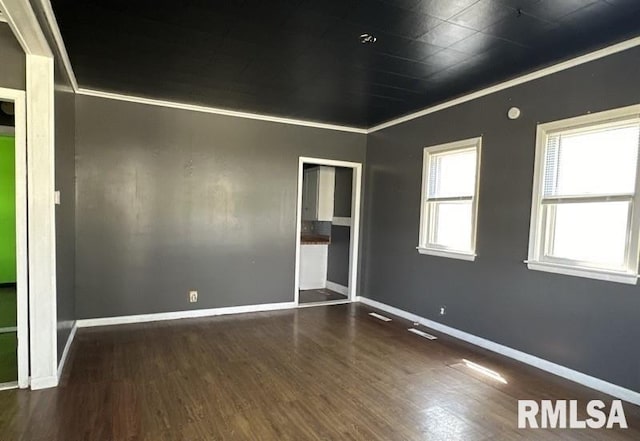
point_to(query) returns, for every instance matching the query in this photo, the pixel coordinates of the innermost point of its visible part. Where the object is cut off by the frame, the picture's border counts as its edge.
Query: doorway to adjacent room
(8, 279)
(327, 236)
(14, 352)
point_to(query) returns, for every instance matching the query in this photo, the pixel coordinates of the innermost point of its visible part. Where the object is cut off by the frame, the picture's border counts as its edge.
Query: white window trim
(440, 251)
(535, 260)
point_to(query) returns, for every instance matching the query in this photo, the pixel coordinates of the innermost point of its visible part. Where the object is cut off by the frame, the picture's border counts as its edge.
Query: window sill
(450, 254)
(590, 273)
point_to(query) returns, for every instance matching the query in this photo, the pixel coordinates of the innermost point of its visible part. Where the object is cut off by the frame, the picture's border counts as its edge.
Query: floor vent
(422, 334)
(379, 317)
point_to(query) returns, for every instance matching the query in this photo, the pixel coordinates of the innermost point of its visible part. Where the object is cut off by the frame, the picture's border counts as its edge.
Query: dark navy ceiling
(303, 58)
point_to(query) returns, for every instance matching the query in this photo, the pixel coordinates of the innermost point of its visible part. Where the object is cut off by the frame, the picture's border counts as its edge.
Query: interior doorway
(327, 233)
(14, 352)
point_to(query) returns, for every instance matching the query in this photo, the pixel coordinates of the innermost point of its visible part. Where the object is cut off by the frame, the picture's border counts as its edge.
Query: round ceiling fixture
(514, 113)
(7, 108)
(367, 39)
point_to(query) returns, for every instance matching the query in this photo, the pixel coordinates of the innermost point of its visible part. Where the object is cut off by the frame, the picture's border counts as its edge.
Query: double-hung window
(585, 213)
(449, 199)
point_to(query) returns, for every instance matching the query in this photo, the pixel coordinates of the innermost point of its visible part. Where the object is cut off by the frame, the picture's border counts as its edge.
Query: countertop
(314, 239)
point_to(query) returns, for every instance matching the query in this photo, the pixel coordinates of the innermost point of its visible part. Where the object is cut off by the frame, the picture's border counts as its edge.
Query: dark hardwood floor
(324, 373)
(320, 295)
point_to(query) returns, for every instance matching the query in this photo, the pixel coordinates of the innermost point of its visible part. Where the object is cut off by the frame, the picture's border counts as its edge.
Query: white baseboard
(545, 365)
(10, 385)
(340, 289)
(65, 352)
(194, 313)
(44, 382)
(341, 221)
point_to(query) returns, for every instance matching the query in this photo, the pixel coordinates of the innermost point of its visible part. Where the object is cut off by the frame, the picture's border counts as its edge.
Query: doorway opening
(327, 234)
(14, 358)
(8, 277)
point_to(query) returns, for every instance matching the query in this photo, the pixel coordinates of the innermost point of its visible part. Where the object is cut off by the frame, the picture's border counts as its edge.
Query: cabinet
(318, 188)
(313, 266)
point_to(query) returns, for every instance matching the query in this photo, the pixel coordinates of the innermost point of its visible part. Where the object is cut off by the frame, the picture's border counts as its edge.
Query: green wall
(7, 210)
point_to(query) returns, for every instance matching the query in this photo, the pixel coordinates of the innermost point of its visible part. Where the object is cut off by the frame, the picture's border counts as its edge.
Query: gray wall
(343, 193)
(338, 261)
(584, 324)
(170, 200)
(12, 60)
(65, 212)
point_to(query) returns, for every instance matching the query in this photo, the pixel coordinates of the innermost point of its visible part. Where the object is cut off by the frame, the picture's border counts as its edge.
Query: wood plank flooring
(320, 295)
(323, 373)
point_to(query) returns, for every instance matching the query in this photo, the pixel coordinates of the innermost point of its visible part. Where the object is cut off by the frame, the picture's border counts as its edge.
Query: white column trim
(42, 237)
(40, 132)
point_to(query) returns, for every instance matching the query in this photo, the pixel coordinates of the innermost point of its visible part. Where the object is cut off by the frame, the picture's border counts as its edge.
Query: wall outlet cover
(193, 296)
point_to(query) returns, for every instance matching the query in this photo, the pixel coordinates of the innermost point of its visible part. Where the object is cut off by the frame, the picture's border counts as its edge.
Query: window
(585, 198)
(449, 199)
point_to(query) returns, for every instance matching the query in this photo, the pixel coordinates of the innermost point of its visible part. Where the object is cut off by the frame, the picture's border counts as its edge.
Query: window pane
(451, 225)
(589, 232)
(452, 174)
(593, 163)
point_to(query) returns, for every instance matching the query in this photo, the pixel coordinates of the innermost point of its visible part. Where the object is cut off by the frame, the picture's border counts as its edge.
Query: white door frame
(22, 262)
(40, 139)
(354, 242)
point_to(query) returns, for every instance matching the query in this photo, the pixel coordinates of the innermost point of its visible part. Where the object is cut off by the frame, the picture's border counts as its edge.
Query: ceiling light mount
(514, 113)
(367, 38)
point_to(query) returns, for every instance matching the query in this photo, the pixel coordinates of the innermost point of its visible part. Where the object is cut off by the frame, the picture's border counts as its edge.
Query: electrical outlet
(443, 310)
(193, 296)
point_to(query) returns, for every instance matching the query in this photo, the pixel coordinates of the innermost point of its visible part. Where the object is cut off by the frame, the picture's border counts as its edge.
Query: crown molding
(52, 23)
(559, 67)
(217, 111)
(24, 25)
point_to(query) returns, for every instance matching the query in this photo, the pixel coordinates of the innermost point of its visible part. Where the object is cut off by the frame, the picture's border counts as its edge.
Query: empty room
(319, 220)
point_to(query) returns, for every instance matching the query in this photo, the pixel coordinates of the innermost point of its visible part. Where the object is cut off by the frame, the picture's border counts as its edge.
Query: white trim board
(22, 261)
(340, 289)
(326, 303)
(24, 25)
(47, 10)
(341, 221)
(40, 176)
(541, 73)
(545, 365)
(217, 111)
(559, 67)
(194, 313)
(354, 240)
(11, 384)
(44, 382)
(67, 348)
(42, 227)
